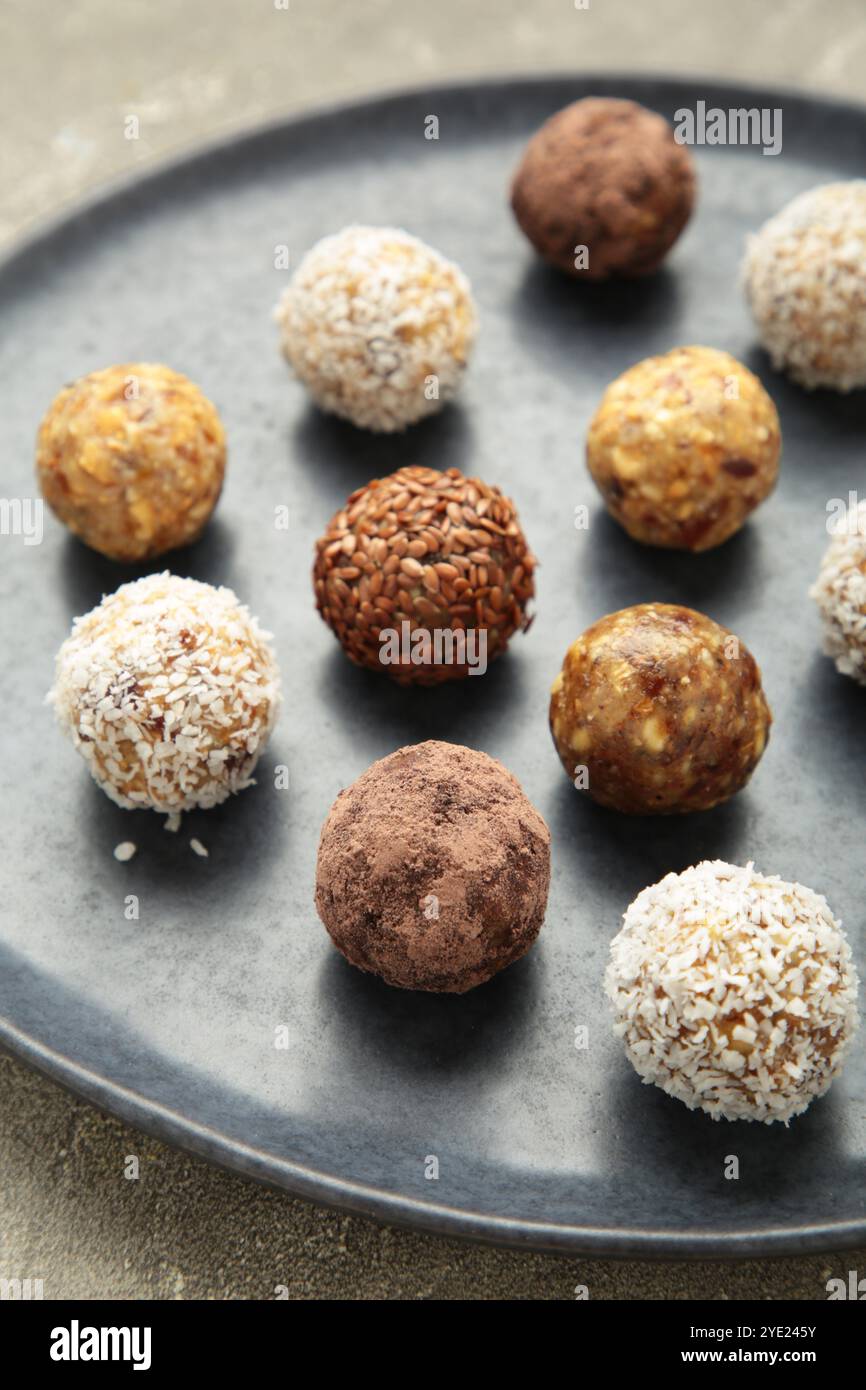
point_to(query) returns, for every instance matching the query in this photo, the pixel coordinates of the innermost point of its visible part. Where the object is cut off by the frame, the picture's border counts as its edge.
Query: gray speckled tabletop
(72, 74)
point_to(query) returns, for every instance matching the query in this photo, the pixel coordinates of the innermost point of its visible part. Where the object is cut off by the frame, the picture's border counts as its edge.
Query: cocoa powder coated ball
(606, 175)
(433, 869)
(131, 459)
(658, 709)
(683, 447)
(425, 575)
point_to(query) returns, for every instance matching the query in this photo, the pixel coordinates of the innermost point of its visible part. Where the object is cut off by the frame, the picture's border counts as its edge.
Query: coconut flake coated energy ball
(683, 447)
(734, 992)
(131, 459)
(659, 710)
(840, 593)
(805, 280)
(169, 690)
(433, 869)
(424, 575)
(606, 175)
(378, 326)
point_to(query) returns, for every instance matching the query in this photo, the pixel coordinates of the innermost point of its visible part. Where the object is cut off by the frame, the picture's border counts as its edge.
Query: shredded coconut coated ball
(734, 992)
(378, 326)
(840, 593)
(805, 279)
(169, 689)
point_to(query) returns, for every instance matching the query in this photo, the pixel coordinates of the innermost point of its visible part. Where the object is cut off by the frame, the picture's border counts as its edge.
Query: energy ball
(683, 447)
(805, 281)
(604, 189)
(659, 710)
(734, 992)
(378, 327)
(433, 869)
(169, 690)
(840, 593)
(131, 459)
(424, 575)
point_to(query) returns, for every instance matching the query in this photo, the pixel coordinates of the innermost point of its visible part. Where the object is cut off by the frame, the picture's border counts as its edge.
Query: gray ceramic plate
(170, 1021)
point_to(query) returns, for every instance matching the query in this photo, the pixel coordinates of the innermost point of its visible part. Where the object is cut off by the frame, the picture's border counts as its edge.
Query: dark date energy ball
(433, 869)
(683, 447)
(131, 459)
(424, 575)
(658, 710)
(604, 189)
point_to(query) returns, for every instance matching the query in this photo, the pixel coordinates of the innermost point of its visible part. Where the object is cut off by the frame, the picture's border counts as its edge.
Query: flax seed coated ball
(425, 575)
(131, 459)
(805, 280)
(169, 690)
(657, 710)
(433, 869)
(683, 447)
(734, 991)
(606, 175)
(378, 326)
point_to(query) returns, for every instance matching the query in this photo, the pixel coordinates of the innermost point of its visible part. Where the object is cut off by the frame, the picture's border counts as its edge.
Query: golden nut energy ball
(604, 189)
(734, 992)
(169, 689)
(683, 447)
(424, 575)
(840, 593)
(131, 459)
(658, 710)
(378, 327)
(805, 279)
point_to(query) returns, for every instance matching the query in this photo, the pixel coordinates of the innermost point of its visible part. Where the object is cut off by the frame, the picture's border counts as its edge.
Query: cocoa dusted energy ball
(734, 991)
(658, 710)
(604, 189)
(683, 447)
(169, 690)
(378, 326)
(433, 869)
(131, 459)
(840, 593)
(805, 280)
(424, 575)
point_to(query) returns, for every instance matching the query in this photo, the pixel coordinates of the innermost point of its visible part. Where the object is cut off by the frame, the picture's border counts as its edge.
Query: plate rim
(301, 1180)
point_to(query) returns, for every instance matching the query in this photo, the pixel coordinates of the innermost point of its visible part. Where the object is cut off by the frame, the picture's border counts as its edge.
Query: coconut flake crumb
(124, 851)
(378, 326)
(198, 848)
(733, 991)
(840, 593)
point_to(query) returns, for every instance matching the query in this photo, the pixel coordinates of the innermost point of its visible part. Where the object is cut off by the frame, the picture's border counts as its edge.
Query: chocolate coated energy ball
(604, 189)
(424, 575)
(131, 459)
(433, 869)
(658, 709)
(683, 447)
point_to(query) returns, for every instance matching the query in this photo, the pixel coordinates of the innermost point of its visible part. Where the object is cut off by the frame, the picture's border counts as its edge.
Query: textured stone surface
(73, 75)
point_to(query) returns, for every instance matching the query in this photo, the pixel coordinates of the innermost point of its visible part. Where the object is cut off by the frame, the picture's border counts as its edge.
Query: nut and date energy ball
(432, 558)
(169, 690)
(131, 459)
(805, 280)
(733, 991)
(659, 710)
(683, 447)
(840, 593)
(433, 869)
(606, 175)
(378, 326)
